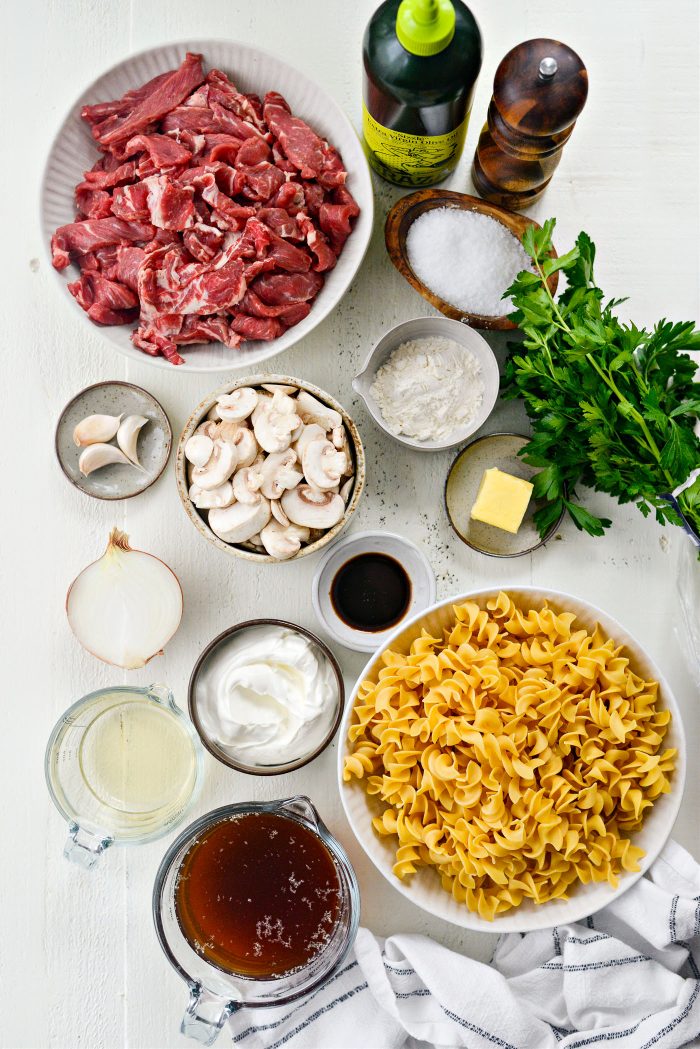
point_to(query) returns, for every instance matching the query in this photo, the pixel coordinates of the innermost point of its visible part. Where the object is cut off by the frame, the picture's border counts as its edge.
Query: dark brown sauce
(258, 895)
(371, 592)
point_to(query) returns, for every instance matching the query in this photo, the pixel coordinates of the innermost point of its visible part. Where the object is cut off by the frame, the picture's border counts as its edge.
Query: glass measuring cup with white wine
(122, 766)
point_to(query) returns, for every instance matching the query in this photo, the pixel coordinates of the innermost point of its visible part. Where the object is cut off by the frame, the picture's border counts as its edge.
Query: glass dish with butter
(488, 497)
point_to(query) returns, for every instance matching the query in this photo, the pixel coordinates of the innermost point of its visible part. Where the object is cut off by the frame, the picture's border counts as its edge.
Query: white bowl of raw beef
(253, 71)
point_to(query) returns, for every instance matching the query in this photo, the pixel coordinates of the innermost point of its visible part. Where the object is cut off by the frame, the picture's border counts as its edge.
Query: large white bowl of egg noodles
(424, 887)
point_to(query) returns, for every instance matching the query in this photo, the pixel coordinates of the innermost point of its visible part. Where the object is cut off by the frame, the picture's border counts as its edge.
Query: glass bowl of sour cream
(266, 697)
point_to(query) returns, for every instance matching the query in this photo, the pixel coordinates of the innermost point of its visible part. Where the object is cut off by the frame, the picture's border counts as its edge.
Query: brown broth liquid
(258, 895)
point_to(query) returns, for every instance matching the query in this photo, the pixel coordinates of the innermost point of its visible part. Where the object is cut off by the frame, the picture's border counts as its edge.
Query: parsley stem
(649, 441)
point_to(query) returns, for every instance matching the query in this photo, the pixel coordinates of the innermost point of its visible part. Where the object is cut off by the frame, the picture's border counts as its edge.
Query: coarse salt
(429, 389)
(466, 258)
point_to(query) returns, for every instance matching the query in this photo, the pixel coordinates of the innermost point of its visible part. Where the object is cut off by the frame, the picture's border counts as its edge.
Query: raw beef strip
(163, 151)
(325, 256)
(131, 202)
(281, 222)
(289, 313)
(276, 289)
(287, 256)
(127, 266)
(170, 206)
(261, 182)
(104, 301)
(289, 196)
(309, 153)
(256, 327)
(77, 238)
(102, 111)
(169, 92)
(335, 221)
(314, 196)
(169, 284)
(92, 203)
(203, 242)
(104, 179)
(253, 151)
(222, 90)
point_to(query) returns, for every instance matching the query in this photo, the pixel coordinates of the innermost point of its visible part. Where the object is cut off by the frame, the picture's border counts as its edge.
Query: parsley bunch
(612, 406)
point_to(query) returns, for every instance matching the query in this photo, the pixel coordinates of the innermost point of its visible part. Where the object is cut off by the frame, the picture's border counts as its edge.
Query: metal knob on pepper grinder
(539, 90)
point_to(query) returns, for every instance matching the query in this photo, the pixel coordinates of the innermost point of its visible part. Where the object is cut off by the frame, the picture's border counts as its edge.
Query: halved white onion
(125, 607)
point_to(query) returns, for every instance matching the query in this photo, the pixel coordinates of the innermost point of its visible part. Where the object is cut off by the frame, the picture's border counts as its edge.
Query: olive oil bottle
(421, 62)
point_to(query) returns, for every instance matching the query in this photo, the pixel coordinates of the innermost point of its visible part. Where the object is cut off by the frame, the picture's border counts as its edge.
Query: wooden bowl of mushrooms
(270, 468)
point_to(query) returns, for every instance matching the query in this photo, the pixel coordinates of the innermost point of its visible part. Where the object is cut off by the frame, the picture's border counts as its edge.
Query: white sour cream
(268, 696)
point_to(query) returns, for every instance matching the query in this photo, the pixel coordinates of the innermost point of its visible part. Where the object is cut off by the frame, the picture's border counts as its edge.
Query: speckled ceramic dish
(412, 559)
(463, 480)
(116, 481)
(198, 517)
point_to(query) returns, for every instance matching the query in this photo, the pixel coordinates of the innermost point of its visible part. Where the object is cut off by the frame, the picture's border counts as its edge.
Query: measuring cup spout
(205, 1015)
(84, 848)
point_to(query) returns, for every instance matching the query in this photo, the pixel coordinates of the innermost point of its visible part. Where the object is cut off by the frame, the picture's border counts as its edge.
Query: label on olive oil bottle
(411, 160)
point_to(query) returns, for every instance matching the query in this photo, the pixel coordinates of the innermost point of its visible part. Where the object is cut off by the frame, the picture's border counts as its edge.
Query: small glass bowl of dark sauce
(369, 583)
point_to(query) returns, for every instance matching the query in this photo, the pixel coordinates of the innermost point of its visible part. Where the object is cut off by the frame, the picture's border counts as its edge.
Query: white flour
(428, 389)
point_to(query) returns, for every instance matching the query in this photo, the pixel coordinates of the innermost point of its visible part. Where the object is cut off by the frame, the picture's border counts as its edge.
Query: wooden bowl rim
(426, 199)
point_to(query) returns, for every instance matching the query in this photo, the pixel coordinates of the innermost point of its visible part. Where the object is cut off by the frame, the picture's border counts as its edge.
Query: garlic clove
(96, 429)
(95, 456)
(128, 436)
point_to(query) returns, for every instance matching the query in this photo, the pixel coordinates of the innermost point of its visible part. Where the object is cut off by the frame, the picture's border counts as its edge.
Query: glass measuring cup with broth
(122, 766)
(254, 904)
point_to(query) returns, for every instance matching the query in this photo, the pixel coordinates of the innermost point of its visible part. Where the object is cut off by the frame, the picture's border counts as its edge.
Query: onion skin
(120, 541)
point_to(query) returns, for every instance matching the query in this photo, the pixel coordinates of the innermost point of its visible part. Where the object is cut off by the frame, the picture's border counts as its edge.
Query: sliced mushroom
(346, 490)
(218, 469)
(280, 472)
(238, 404)
(216, 497)
(213, 414)
(281, 542)
(264, 402)
(246, 446)
(246, 485)
(209, 428)
(312, 410)
(323, 466)
(275, 387)
(309, 433)
(199, 449)
(239, 522)
(273, 428)
(227, 430)
(308, 506)
(278, 513)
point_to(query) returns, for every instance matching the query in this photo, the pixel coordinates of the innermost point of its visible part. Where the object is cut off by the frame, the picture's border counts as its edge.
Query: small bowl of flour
(430, 383)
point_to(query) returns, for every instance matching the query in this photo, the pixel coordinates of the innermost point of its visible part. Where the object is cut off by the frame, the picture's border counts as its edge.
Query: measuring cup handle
(161, 694)
(302, 806)
(84, 848)
(205, 1015)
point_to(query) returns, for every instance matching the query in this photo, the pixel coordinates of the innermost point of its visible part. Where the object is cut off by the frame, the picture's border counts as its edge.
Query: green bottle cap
(425, 27)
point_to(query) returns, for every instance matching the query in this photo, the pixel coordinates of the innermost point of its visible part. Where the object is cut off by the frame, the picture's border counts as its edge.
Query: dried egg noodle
(515, 755)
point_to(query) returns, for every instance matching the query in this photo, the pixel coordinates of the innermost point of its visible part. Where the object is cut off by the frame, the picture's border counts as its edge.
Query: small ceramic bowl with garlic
(113, 440)
(270, 468)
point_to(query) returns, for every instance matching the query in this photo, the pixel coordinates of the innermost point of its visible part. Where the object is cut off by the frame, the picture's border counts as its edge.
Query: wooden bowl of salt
(405, 212)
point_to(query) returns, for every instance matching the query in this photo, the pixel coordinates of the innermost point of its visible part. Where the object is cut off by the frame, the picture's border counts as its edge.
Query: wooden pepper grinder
(539, 90)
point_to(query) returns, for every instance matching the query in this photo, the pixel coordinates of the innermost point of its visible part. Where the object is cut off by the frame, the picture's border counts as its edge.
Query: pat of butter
(501, 500)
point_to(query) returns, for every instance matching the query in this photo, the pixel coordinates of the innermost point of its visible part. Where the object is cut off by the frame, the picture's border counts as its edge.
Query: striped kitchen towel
(628, 977)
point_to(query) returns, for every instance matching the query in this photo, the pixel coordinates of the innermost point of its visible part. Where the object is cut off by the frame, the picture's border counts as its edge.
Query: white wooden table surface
(79, 961)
